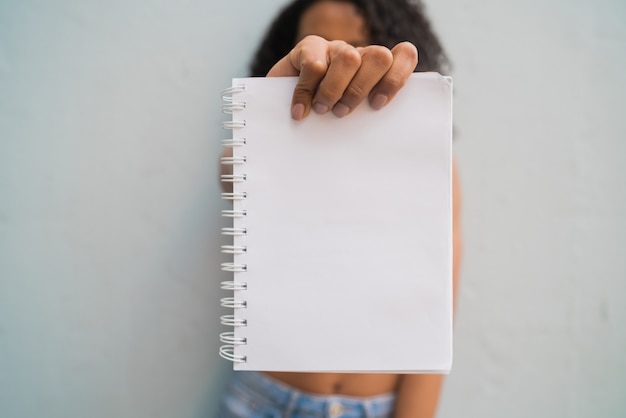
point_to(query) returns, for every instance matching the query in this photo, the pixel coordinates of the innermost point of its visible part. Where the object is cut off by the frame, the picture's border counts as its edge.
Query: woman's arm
(418, 394)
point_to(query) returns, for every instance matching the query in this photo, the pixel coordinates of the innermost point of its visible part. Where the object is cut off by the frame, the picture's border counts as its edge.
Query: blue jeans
(255, 395)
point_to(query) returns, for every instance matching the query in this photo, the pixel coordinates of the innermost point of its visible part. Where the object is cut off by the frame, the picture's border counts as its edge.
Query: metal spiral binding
(234, 195)
(234, 232)
(233, 124)
(233, 142)
(230, 338)
(231, 321)
(228, 352)
(232, 285)
(232, 160)
(234, 268)
(227, 94)
(233, 249)
(233, 178)
(229, 213)
(237, 231)
(233, 303)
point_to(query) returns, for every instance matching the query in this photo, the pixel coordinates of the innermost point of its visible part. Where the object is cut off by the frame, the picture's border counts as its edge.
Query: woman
(344, 52)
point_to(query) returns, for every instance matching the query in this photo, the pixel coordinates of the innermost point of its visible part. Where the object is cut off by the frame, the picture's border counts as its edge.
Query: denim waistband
(297, 403)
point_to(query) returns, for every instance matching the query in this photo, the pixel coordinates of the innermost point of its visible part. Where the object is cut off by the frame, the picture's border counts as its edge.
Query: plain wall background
(109, 204)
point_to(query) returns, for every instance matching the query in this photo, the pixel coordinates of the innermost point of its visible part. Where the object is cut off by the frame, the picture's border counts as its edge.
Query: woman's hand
(335, 76)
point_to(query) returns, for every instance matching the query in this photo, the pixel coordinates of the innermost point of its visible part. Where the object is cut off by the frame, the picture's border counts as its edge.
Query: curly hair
(389, 22)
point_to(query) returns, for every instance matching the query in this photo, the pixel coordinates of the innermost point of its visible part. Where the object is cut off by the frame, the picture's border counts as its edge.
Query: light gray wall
(541, 325)
(109, 115)
(109, 203)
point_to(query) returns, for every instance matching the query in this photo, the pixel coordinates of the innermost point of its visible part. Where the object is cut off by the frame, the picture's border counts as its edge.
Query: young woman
(344, 52)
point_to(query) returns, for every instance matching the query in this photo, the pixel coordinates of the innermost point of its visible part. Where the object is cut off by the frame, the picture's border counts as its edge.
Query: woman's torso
(349, 384)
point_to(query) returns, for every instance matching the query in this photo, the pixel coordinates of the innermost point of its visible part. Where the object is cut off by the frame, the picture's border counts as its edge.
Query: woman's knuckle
(355, 91)
(311, 39)
(380, 55)
(408, 50)
(313, 66)
(349, 55)
(302, 90)
(394, 83)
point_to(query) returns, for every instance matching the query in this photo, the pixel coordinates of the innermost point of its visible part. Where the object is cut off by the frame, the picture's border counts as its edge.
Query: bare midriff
(348, 384)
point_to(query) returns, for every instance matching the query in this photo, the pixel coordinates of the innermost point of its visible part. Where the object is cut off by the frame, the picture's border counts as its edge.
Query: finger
(375, 62)
(345, 61)
(307, 60)
(300, 102)
(310, 76)
(404, 62)
(311, 48)
(310, 58)
(283, 68)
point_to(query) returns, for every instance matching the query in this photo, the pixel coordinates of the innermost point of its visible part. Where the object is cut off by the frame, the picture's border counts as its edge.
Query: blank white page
(348, 232)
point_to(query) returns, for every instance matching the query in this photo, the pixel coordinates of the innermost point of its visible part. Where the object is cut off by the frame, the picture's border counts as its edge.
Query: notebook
(341, 236)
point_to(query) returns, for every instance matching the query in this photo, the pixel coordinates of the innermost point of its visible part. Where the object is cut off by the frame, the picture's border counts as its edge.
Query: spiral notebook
(341, 233)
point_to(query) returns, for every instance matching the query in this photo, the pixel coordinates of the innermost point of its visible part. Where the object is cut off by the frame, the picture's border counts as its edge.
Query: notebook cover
(349, 232)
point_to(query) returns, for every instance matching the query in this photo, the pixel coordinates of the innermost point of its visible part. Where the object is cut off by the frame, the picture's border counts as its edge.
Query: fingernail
(320, 108)
(378, 101)
(340, 110)
(297, 111)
